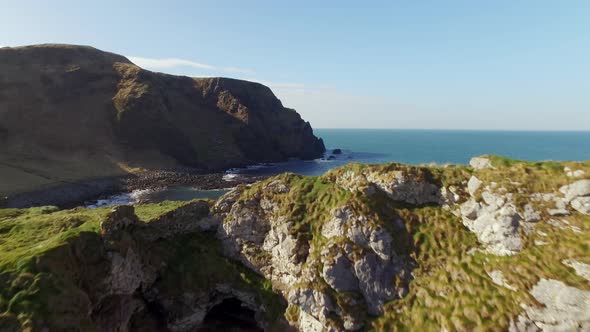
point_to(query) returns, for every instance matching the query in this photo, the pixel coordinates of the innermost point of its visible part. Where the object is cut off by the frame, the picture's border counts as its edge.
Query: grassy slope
(451, 287)
(39, 278)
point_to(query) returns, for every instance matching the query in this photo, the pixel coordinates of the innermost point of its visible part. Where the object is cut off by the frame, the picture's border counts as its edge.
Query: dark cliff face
(61, 100)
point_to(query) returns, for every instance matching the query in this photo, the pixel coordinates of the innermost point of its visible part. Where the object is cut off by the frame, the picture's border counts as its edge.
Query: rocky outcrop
(398, 184)
(166, 275)
(564, 308)
(480, 163)
(64, 107)
(494, 220)
(351, 256)
(578, 195)
(380, 247)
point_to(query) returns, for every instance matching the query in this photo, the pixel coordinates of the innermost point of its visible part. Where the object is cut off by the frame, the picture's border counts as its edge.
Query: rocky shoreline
(72, 194)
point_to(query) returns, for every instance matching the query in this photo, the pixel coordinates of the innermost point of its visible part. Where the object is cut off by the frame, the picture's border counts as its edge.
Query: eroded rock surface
(564, 308)
(354, 257)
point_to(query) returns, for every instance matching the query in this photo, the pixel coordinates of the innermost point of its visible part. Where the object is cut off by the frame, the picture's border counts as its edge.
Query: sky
(507, 65)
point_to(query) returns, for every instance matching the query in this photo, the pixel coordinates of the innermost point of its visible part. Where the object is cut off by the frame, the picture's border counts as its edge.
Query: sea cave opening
(230, 315)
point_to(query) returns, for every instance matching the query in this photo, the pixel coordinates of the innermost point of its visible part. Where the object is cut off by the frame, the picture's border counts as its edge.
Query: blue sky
(370, 64)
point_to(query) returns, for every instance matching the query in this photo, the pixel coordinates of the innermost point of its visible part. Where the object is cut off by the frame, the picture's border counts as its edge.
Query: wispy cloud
(174, 63)
(186, 67)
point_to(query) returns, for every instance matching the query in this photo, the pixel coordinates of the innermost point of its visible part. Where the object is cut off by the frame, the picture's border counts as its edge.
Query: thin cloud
(167, 63)
(179, 66)
(238, 70)
(174, 63)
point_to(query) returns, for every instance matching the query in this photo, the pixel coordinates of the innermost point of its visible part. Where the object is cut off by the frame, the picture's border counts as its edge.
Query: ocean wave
(121, 199)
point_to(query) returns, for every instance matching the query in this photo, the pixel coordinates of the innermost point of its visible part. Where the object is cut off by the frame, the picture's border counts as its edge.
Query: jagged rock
(558, 212)
(573, 174)
(406, 188)
(398, 185)
(276, 187)
(308, 323)
(473, 185)
(582, 269)
(357, 257)
(577, 189)
(450, 195)
(496, 228)
(286, 254)
(339, 274)
(375, 280)
(334, 227)
(565, 308)
(471, 209)
(492, 199)
(530, 215)
(119, 218)
(128, 273)
(224, 204)
(480, 163)
(314, 303)
(500, 232)
(581, 204)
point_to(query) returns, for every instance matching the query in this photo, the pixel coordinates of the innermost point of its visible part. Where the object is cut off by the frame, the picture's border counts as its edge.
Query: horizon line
(458, 129)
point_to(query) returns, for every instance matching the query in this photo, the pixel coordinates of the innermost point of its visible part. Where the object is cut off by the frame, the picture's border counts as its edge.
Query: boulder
(565, 308)
(119, 218)
(582, 269)
(473, 185)
(498, 231)
(480, 163)
(530, 215)
(577, 189)
(581, 204)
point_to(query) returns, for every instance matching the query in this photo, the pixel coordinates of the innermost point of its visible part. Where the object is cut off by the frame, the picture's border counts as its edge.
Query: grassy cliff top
(452, 287)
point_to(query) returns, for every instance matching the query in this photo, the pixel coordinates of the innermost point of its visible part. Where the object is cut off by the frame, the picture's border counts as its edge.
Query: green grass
(45, 254)
(451, 288)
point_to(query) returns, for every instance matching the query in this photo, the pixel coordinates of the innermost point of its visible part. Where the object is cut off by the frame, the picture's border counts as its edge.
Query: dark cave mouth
(230, 315)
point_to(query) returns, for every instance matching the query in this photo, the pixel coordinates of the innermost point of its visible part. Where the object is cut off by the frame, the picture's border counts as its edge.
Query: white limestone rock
(582, 269)
(581, 204)
(473, 185)
(579, 188)
(480, 163)
(565, 308)
(530, 215)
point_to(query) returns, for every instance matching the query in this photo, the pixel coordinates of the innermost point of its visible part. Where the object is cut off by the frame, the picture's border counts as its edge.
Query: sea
(410, 146)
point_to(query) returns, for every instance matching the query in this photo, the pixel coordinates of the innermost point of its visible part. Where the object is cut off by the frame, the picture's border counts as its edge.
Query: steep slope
(73, 112)
(499, 245)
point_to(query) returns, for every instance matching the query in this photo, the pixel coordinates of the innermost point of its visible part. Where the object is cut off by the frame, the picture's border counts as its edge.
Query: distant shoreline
(69, 195)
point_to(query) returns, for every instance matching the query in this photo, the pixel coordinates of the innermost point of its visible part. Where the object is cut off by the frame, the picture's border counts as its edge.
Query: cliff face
(73, 112)
(500, 245)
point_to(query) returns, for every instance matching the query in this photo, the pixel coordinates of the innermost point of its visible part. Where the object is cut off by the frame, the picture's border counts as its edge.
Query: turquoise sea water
(438, 146)
(374, 146)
